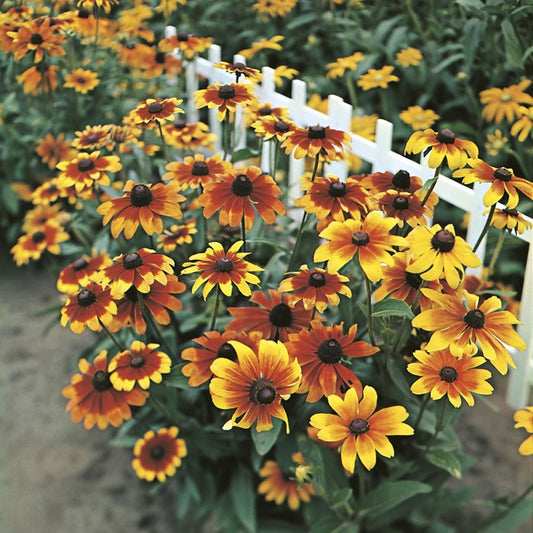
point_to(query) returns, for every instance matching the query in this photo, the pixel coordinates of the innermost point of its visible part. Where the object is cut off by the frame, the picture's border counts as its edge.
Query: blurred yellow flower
(274, 8)
(377, 78)
(339, 67)
(418, 118)
(409, 57)
(495, 143)
(283, 71)
(364, 126)
(500, 103)
(524, 419)
(522, 127)
(263, 44)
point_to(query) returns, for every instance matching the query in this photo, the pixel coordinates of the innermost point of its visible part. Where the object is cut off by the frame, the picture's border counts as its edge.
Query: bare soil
(57, 477)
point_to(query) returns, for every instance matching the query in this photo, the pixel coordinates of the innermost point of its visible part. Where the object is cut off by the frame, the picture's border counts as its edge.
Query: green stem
(425, 402)
(111, 336)
(227, 135)
(163, 143)
(369, 310)
(215, 310)
(485, 228)
(351, 91)
(496, 253)
(432, 186)
(243, 232)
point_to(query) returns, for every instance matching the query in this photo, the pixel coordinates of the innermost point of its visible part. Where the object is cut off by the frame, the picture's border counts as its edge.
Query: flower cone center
(242, 186)
(141, 195)
(227, 351)
(226, 92)
(92, 138)
(316, 132)
(503, 174)
(182, 36)
(155, 107)
(337, 189)
(86, 298)
(137, 361)
(37, 237)
(224, 265)
(280, 315)
(101, 381)
(157, 452)
(475, 318)
(448, 373)
(446, 136)
(160, 57)
(360, 238)
(330, 351)
(262, 392)
(400, 203)
(200, 168)
(317, 279)
(281, 126)
(443, 241)
(402, 179)
(413, 280)
(85, 164)
(79, 264)
(36, 39)
(358, 426)
(132, 261)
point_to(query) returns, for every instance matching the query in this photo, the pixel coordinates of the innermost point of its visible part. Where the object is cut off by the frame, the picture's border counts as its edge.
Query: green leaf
(176, 378)
(511, 519)
(513, 48)
(390, 494)
(243, 497)
(243, 154)
(447, 62)
(392, 307)
(472, 5)
(264, 440)
(445, 460)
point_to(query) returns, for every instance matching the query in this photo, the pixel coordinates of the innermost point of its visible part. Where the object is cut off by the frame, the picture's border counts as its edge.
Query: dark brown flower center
(36, 39)
(262, 392)
(160, 57)
(200, 168)
(227, 350)
(86, 298)
(137, 361)
(264, 111)
(402, 180)
(155, 107)
(84, 13)
(280, 315)
(511, 212)
(400, 203)
(330, 351)
(79, 264)
(317, 279)
(316, 132)
(446, 136)
(337, 189)
(281, 126)
(448, 373)
(238, 65)
(226, 92)
(360, 238)
(180, 124)
(413, 280)
(475, 318)
(242, 186)
(101, 381)
(223, 265)
(503, 174)
(443, 241)
(358, 426)
(37, 237)
(157, 452)
(131, 261)
(92, 138)
(141, 195)
(132, 294)
(182, 36)
(85, 164)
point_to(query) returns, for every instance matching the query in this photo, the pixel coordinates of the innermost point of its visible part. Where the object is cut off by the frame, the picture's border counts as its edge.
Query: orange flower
(401, 181)
(404, 207)
(271, 127)
(510, 219)
(38, 77)
(52, 149)
(500, 103)
(189, 45)
(224, 97)
(157, 109)
(314, 141)
(184, 136)
(177, 235)
(377, 78)
(255, 384)
(32, 246)
(81, 80)
(81, 272)
(142, 204)
(240, 69)
(93, 399)
(239, 194)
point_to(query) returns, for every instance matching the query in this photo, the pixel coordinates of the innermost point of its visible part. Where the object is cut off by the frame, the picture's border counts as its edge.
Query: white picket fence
(380, 155)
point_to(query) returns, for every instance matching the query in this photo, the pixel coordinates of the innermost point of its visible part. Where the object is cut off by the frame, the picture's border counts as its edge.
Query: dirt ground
(56, 477)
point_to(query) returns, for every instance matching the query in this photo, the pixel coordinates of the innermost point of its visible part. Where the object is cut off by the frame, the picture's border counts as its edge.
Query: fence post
(268, 87)
(215, 125)
(239, 127)
(340, 114)
(296, 166)
(383, 145)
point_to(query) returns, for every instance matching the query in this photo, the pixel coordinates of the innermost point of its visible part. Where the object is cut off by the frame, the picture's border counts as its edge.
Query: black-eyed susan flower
(405, 207)
(93, 399)
(271, 127)
(337, 68)
(43, 215)
(274, 8)
(82, 80)
(239, 194)
(157, 109)
(505, 103)
(509, 219)
(314, 141)
(316, 288)
(223, 269)
(158, 455)
(278, 485)
(370, 239)
(375, 78)
(261, 110)
(91, 4)
(419, 118)
(255, 384)
(187, 43)
(195, 171)
(92, 137)
(177, 235)
(273, 43)
(364, 126)
(442, 144)
(409, 57)
(321, 352)
(441, 373)
(167, 7)
(225, 97)
(524, 419)
(463, 321)
(439, 253)
(240, 69)
(283, 72)
(401, 181)
(32, 245)
(213, 345)
(81, 271)
(47, 193)
(496, 142)
(362, 430)
(139, 269)
(52, 149)
(92, 306)
(189, 136)
(38, 78)
(87, 169)
(503, 182)
(522, 127)
(140, 365)
(142, 204)
(276, 316)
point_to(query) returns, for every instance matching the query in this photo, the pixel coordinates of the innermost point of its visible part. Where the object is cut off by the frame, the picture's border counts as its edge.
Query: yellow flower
(409, 56)
(81, 80)
(364, 126)
(509, 219)
(522, 127)
(263, 44)
(418, 118)
(495, 143)
(500, 103)
(274, 8)
(524, 419)
(339, 67)
(377, 78)
(283, 72)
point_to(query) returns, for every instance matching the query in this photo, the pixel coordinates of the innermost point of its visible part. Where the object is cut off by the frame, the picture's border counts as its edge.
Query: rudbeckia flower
(140, 365)
(278, 486)
(509, 219)
(419, 118)
(337, 68)
(93, 399)
(502, 180)
(443, 144)
(239, 194)
(188, 44)
(34, 244)
(224, 97)
(189, 136)
(81, 80)
(362, 430)
(405, 207)
(377, 78)
(52, 149)
(38, 78)
(441, 373)
(255, 384)
(157, 109)
(177, 235)
(221, 268)
(274, 8)
(81, 271)
(42, 216)
(262, 110)
(409, 57)
(240, 69)
(273, 128)
(460, 322)
(317, 288)
(320, 352)
(401, 181)
(315, 140)
(522, 127)
(276, 317)
(524, 419)
(142, 204)
(92, 138)
(496, 142)
(157, 455)
(500, 103)
(370, 239)
(439, 253)
(91, 4)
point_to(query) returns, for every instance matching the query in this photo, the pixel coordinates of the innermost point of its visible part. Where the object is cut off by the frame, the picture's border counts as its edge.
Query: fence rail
(380, 155)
